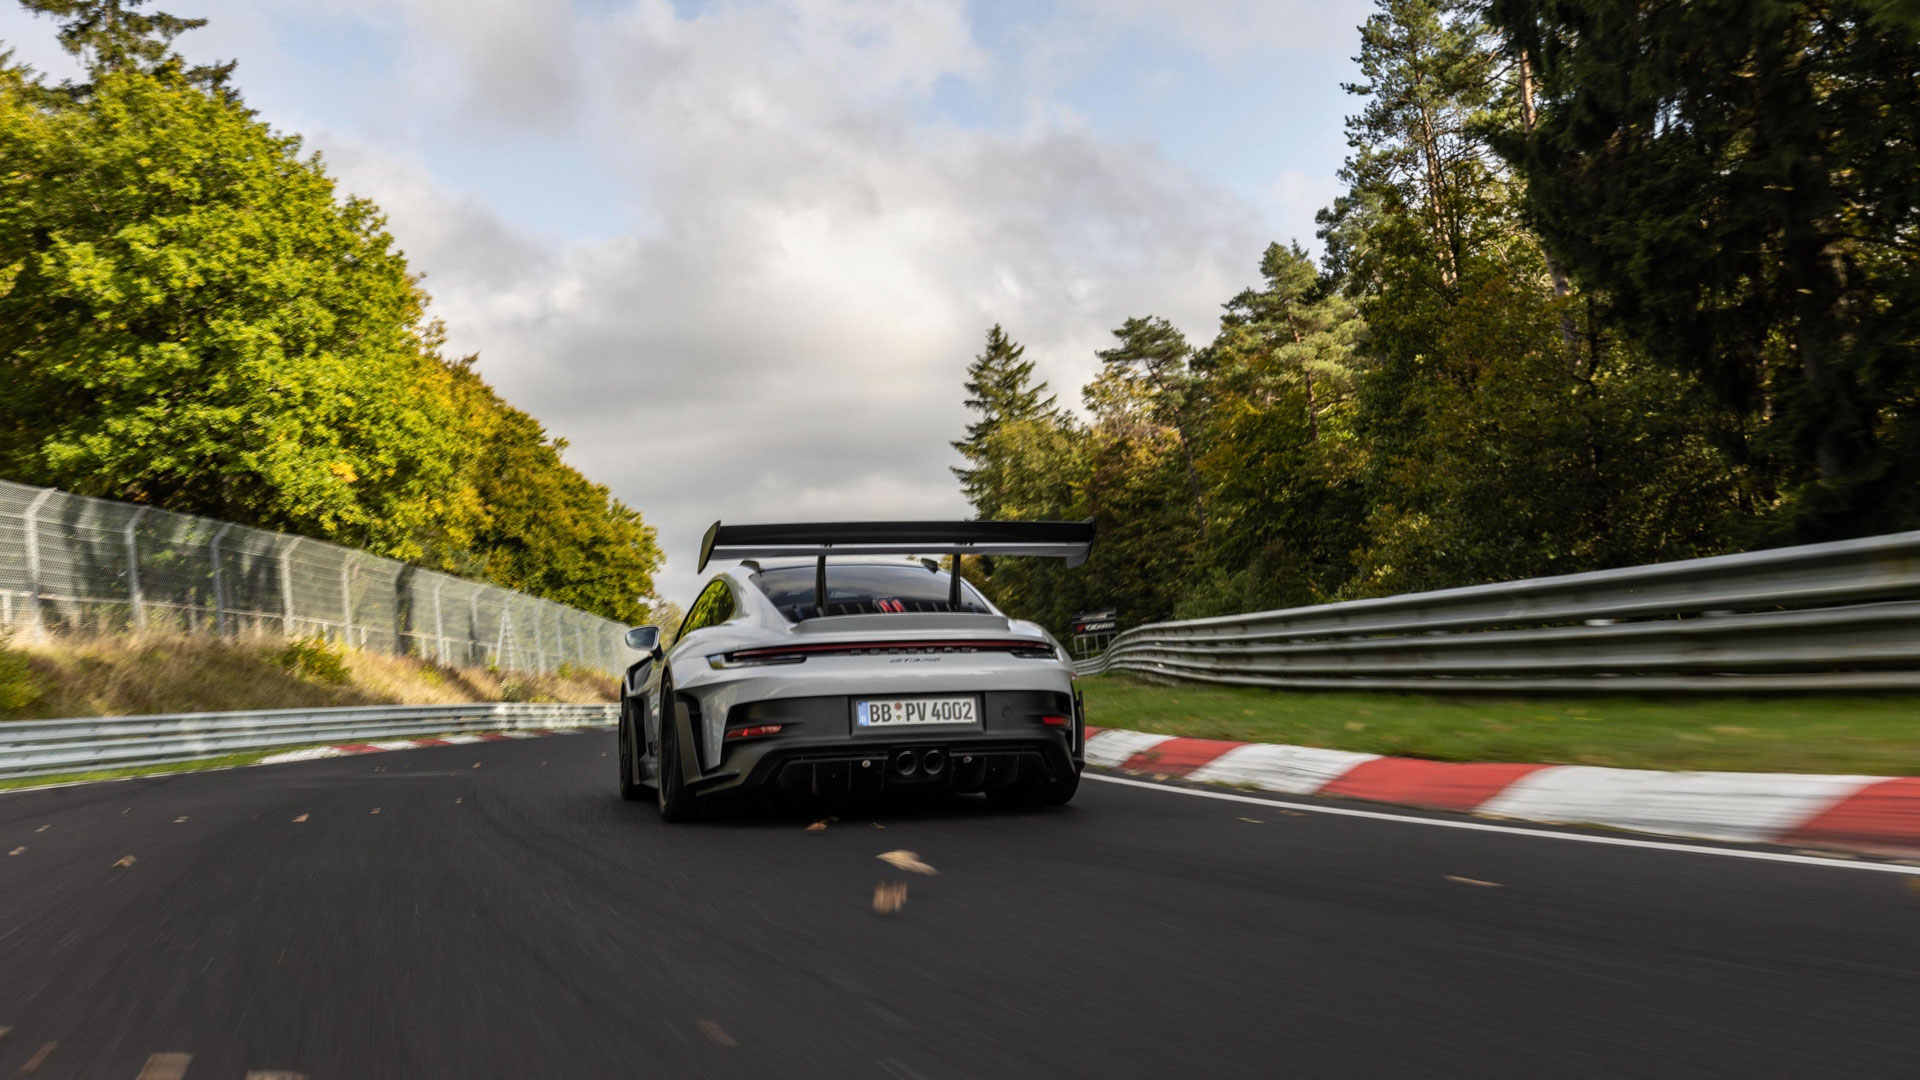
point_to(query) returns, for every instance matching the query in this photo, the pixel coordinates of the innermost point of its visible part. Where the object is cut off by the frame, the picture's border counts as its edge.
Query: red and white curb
(1871, 812)
(311, 753)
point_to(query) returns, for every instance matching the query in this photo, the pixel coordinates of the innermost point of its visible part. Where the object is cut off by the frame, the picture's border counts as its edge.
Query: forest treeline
(1611, 282)
(192, 316)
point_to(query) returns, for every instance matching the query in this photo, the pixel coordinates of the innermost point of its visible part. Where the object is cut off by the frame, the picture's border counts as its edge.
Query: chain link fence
(70, 564)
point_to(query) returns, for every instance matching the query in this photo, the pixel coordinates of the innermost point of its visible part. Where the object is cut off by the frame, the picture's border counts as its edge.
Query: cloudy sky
(739, 253)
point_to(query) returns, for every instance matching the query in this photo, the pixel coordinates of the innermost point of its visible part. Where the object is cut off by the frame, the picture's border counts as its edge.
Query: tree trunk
(1568, 336)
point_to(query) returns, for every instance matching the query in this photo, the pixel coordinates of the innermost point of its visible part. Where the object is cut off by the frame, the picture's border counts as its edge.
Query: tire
(676, 802)
(629, 790)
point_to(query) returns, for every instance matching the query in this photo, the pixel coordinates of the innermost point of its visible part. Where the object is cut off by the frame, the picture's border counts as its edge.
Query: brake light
(1057, 721)
(753, 732)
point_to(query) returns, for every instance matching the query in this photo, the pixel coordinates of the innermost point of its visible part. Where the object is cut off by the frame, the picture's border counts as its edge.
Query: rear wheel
(676, 802)
(629, 790)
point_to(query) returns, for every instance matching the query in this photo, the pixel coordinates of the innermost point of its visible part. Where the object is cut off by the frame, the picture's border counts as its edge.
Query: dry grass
(131, 676)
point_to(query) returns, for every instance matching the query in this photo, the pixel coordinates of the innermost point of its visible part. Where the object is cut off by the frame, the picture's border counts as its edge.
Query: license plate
(906, 712)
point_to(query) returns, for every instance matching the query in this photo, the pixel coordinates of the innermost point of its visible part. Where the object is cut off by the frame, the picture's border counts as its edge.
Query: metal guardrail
(1822, 617)
(46, 747)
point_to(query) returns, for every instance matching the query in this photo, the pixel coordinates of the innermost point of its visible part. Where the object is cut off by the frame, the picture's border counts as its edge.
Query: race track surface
(516, 920)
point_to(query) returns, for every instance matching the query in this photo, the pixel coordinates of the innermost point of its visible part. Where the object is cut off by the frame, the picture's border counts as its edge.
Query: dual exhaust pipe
(917, 764)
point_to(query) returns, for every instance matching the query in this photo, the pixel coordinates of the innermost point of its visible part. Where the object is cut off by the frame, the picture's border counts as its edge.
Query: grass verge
(225, 761)
(1875, 735)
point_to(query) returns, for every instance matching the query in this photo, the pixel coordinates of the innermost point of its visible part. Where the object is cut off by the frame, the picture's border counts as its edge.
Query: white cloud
(784, 331)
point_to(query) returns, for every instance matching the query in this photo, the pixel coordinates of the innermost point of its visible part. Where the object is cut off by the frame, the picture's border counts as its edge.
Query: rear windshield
(864, 590)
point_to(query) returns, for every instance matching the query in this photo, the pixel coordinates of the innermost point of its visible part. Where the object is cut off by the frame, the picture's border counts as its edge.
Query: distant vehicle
(864, 675)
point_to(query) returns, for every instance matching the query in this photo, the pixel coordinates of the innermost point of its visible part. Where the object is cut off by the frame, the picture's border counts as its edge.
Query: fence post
(439, 628)
(347, 567)
(36, 623)
(219, 583)
(135, 595)
(286, 586)
(473, 626)
(539, 647)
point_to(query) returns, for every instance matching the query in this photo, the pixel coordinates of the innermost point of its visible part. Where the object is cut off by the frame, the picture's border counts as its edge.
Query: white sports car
(855, 677)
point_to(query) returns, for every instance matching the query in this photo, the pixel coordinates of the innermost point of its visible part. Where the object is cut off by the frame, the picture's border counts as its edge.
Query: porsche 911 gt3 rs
(876, 672)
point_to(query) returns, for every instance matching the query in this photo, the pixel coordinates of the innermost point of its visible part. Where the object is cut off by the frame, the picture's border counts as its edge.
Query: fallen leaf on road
(125, 861)
(889, 896)
(715, 1034)
(1473, 881)
(179, 819)
(818, 826)
(905, 860)
(128, 810)
(456, 802)
(299, 819)
(877, 825)
(18, 851)
(476, 764)
(43, 828)
(1254, 820)
(375, 810)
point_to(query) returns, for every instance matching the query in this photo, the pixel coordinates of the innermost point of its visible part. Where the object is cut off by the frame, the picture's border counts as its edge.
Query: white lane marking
(1748, 807)
(1113, 748)
(1292, 770)
(1517, 830)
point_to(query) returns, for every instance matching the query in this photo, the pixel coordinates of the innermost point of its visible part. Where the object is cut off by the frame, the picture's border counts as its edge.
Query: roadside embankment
(124, 676)
(1876, 735)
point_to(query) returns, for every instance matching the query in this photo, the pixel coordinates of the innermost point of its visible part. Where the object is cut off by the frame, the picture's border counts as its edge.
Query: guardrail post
(36, 622)
(135, 595)
(219, 583)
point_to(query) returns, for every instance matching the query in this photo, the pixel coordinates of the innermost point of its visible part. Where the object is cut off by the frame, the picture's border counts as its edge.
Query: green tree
(189, 317)
(1150, 367)
(1740, 185)
(1001, 388)
(115, 36)
(1278, 456)
(543, 528)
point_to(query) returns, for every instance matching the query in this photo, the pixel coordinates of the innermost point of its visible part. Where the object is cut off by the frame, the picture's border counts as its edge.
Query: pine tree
(114, 36)
(1155, 358)
(1737, 182)
(1000, 387)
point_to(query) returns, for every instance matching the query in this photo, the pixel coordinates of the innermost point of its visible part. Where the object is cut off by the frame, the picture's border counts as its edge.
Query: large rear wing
(1069, 540)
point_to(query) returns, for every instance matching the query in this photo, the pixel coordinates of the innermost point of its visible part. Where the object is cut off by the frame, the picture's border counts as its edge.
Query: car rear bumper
(819, 752)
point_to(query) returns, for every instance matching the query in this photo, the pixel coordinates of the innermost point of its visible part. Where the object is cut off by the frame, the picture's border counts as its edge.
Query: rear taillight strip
(793, 654)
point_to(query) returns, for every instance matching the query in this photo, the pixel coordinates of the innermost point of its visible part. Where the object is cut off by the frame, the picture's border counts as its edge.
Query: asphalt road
(517, 920)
